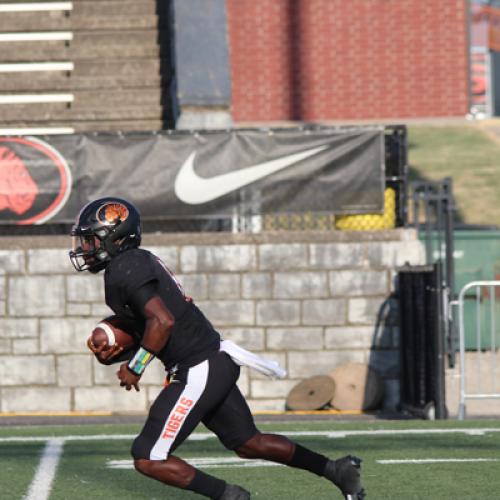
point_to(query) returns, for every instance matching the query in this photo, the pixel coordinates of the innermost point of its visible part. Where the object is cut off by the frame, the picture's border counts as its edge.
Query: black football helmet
(104, 228)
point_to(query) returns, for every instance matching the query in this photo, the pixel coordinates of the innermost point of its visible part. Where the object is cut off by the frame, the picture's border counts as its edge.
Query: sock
(206, 485)
(306, 459)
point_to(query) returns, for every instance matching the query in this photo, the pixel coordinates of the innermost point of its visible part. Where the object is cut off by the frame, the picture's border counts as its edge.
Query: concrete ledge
(179, 239)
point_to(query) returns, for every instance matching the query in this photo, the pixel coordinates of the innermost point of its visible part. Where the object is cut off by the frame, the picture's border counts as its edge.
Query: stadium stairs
(109, 70)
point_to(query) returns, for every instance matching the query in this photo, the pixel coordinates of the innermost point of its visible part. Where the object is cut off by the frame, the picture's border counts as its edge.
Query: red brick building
(317, 60)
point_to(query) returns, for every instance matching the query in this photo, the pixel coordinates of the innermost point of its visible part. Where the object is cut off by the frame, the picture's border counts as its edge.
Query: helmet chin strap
(99, 266)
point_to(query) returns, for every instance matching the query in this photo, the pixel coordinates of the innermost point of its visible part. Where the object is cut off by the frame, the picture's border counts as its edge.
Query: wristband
(141, 359)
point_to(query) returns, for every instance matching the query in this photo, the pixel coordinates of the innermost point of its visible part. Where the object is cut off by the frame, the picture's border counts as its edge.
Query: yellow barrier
(371, 222)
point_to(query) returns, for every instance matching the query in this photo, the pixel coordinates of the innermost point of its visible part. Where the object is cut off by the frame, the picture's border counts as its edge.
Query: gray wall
(310, 300)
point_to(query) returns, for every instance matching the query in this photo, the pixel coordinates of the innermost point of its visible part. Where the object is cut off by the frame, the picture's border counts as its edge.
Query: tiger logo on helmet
(110, 213)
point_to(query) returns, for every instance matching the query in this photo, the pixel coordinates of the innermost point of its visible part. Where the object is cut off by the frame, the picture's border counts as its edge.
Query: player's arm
(146, 302)
(159, 323)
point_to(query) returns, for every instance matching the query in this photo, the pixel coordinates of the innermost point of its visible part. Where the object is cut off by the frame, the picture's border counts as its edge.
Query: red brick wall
(347, 59)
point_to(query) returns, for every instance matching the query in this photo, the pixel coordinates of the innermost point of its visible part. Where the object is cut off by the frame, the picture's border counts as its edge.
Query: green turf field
(424, 460)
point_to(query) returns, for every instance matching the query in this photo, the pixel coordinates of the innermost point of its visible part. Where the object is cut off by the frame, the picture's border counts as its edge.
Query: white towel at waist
(243, 357)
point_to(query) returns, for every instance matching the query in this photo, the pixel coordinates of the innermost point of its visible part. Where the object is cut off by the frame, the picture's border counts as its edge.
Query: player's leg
(233, 423)
(343, 472)
(176, 472)
(173, 416)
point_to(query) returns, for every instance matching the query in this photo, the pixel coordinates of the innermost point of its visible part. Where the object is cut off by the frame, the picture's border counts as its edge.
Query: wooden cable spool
(357, 387)
(313, 393)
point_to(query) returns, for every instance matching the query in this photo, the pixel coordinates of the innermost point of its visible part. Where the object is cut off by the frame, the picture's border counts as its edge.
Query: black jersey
(192, 337)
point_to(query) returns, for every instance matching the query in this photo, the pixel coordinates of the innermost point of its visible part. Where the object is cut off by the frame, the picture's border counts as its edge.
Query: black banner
(189, 175)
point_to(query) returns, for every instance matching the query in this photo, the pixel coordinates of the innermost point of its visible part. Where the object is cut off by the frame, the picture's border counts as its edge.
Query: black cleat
(345, 474)
(234, 492)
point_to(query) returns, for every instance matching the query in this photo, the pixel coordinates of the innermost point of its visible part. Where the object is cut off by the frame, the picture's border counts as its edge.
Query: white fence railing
(479, 342)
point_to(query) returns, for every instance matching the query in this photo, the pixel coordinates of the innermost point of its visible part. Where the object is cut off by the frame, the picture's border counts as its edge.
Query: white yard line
(42, 482)
(203, 463)
(390, 432)
(202, 436)
(96, 437)
(231, 462)
(436, 460)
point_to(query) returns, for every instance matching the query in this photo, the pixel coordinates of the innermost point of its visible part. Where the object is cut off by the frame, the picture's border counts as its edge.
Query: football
(114, 330)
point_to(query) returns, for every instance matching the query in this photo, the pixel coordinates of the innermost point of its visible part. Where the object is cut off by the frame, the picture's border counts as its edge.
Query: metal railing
(433, 213)
(482, 343)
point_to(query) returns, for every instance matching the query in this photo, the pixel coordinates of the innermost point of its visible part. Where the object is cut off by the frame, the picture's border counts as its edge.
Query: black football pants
(204, 393)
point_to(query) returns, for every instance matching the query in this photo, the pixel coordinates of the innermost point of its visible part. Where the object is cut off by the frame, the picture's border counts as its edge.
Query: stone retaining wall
(310, 300)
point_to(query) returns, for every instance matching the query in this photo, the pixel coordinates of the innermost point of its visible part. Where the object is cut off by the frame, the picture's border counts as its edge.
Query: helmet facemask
(88, 253)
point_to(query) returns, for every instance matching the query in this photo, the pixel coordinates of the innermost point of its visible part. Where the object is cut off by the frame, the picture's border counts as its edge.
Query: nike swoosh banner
(201, 174)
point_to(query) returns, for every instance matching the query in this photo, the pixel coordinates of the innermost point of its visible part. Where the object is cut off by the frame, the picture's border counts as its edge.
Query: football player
(202, 388)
